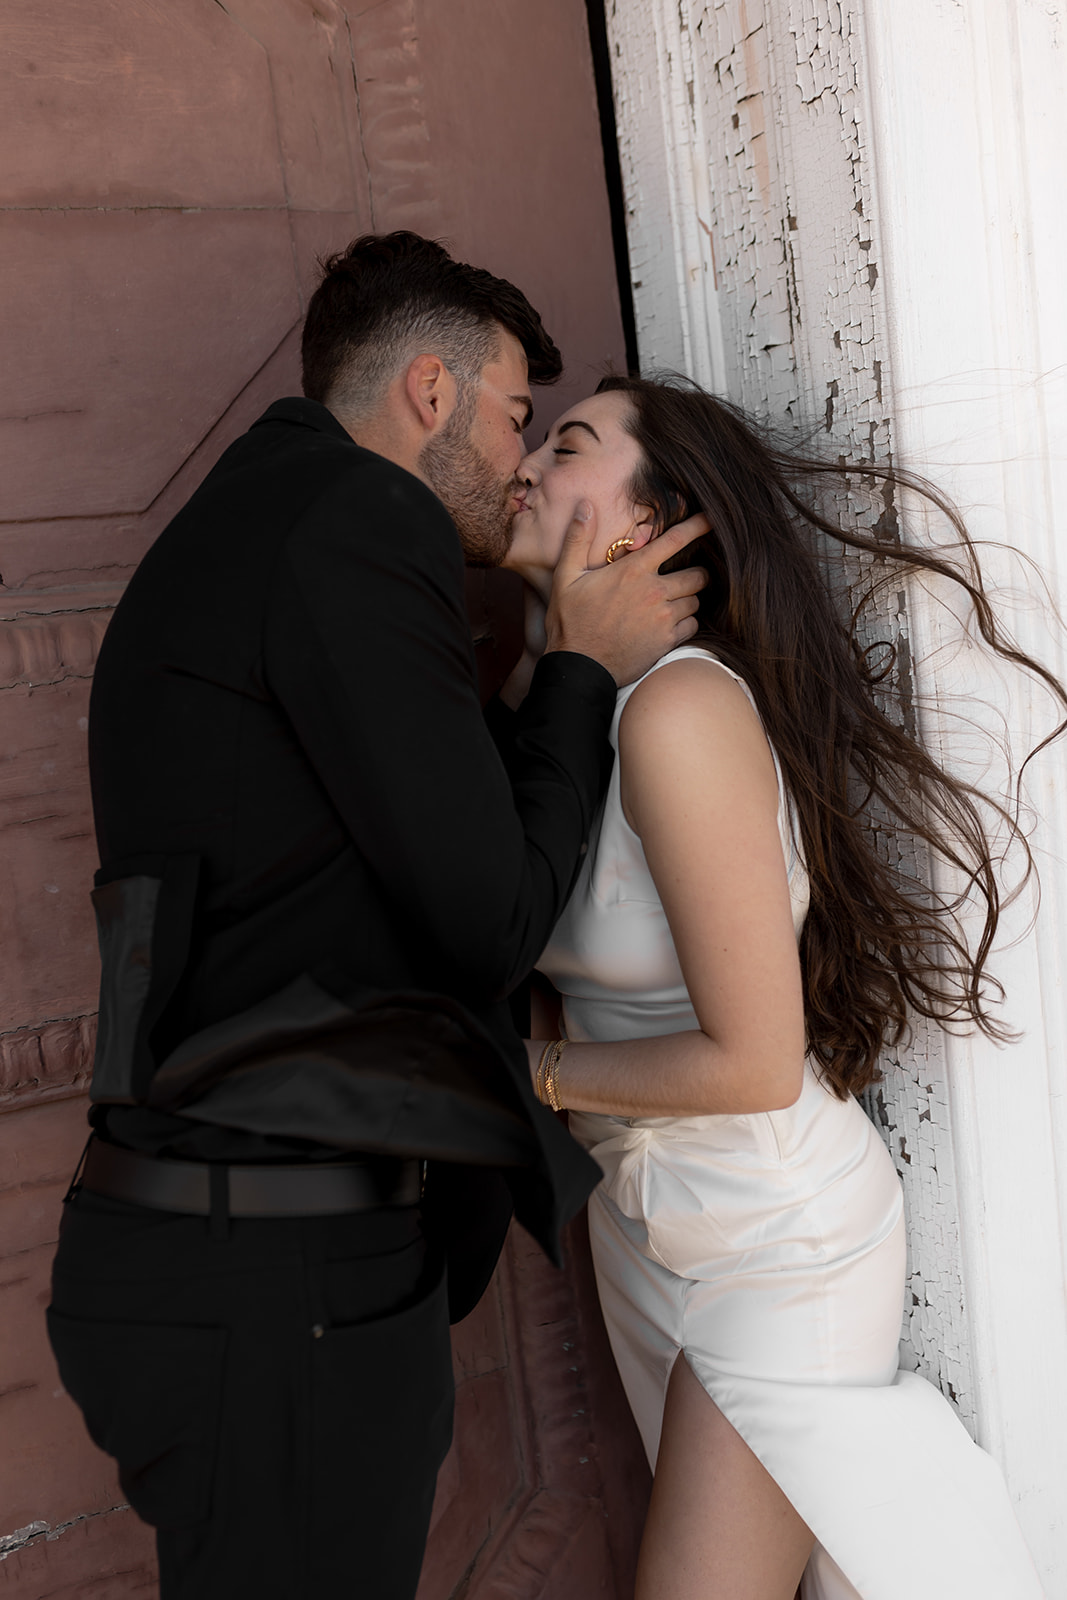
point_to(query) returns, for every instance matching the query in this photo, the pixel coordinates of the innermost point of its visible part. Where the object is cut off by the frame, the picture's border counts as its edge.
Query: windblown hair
(878, 945)
(389, 297)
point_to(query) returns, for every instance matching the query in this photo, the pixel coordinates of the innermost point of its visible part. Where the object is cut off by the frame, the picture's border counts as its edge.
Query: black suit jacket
(286, 695)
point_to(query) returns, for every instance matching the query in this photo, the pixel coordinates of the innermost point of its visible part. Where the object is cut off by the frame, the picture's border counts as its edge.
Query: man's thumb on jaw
(579, 536)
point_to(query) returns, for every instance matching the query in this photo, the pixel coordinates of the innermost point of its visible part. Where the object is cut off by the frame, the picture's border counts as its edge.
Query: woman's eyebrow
(576, 422)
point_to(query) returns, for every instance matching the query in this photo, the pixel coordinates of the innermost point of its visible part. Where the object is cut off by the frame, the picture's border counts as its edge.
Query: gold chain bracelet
(546, 1083)
(539, 1076)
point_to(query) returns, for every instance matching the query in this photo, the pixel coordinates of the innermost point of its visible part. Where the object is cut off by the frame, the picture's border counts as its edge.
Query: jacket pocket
(151, 1396)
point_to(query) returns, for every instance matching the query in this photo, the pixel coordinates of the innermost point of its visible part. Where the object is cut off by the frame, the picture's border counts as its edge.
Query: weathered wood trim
(766, 102)
(888, 235)
(47, 648)
(556, 1524)
(968, 114)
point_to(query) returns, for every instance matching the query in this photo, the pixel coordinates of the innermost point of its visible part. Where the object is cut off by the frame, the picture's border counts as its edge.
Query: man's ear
(430, 391)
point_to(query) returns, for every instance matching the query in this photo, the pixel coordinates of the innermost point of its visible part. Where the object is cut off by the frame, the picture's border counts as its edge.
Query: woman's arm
(699, 787)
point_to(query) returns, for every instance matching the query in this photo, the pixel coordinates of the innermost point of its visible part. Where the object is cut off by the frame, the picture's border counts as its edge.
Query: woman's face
(588, 455)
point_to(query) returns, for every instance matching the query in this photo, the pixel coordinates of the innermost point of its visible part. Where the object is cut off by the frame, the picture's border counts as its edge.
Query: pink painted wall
(173, 172)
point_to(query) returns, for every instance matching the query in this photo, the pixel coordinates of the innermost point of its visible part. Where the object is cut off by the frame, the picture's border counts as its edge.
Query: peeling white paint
(771, 117)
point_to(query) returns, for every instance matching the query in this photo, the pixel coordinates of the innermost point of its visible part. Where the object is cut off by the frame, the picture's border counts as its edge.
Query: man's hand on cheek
(626, 614)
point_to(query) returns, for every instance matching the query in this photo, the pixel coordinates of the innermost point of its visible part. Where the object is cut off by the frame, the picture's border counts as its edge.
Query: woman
(735, 955)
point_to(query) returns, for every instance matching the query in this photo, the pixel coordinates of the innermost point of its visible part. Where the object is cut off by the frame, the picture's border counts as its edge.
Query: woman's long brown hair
(879, 945)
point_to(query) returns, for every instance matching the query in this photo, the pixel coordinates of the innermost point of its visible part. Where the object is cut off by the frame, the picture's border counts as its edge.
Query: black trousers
(279, 1399)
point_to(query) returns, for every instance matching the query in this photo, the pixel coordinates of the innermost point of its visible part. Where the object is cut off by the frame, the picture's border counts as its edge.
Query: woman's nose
(529, 472)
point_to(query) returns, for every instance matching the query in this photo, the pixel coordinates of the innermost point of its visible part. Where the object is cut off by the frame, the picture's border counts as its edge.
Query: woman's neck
(539, 579)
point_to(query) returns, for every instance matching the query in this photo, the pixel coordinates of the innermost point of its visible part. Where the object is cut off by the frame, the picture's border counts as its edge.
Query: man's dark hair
(390, 296)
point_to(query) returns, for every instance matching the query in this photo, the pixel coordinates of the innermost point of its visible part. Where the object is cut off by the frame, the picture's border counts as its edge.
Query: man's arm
(369, 652)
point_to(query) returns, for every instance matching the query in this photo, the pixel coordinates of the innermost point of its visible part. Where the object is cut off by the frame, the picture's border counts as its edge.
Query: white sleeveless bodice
(611, 955)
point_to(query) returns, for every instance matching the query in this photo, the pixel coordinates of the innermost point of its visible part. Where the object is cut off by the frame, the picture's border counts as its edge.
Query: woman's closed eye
(561, 450)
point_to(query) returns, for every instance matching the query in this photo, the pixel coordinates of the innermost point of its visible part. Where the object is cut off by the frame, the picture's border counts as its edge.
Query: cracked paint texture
(755, 269)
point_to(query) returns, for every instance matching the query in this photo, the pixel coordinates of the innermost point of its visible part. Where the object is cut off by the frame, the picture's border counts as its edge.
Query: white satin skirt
(769, 1249)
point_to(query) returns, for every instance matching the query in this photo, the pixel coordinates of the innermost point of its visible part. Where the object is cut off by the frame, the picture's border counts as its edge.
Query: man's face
(471, 464)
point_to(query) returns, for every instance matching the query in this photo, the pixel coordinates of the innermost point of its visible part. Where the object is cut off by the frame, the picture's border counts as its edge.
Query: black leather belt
(312, 1190)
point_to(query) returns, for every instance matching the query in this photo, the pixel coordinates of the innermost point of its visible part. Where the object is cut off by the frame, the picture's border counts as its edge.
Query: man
(317, 887)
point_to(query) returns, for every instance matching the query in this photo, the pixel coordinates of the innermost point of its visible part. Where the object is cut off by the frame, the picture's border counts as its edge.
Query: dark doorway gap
(598, 39)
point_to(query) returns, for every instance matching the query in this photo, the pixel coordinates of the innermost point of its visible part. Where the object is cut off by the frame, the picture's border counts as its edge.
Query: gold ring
(620, 544)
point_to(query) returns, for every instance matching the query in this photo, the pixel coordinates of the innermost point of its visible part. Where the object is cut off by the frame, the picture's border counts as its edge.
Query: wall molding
(46, 1061)
(973, 244)
(48, 647)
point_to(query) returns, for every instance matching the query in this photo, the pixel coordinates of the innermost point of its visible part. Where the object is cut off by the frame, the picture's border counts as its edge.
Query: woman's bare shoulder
(690, 733)
(687, 691)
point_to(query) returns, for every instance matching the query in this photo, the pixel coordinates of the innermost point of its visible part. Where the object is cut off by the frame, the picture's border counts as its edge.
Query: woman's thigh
(718, 1528)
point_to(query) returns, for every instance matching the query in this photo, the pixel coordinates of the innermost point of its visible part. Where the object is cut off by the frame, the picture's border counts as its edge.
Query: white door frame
(851, 214)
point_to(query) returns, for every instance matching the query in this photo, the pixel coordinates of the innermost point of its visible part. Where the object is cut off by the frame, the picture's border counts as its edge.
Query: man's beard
(463, 480)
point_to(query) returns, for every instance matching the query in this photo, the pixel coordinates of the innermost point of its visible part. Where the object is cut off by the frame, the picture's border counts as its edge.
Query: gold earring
(620, 544)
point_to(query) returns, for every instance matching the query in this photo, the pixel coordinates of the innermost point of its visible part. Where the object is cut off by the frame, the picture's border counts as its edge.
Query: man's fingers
(668, 544)
(690, 580)
(686, 607)
(574, 557)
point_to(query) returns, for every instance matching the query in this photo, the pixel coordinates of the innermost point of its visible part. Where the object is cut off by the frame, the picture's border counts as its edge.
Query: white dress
(770, 1249)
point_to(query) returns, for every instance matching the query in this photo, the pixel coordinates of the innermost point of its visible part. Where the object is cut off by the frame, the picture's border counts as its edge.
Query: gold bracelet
(552, 1075)
(539, 1076)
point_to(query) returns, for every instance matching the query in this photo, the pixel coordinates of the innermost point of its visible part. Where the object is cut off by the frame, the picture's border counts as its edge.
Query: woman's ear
(644, 527)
